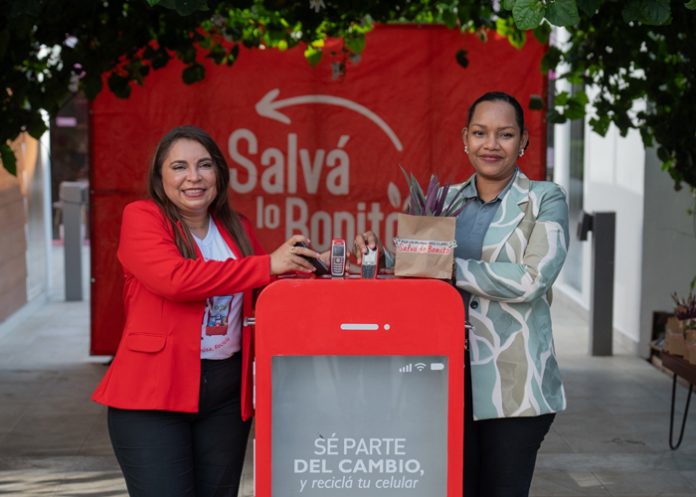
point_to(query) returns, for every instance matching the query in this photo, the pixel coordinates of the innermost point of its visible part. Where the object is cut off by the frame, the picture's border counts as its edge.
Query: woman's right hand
(362, 242)
(288, 258)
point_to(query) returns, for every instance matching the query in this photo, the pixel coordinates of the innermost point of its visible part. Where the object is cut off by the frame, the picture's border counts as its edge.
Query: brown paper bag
(424, 246)
(690, 345)
(674, 337)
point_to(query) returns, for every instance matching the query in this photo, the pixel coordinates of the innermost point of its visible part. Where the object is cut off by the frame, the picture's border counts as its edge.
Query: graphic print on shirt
(218, 315)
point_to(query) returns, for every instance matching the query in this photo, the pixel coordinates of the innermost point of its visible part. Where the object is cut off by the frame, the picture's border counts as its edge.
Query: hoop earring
(521, 152)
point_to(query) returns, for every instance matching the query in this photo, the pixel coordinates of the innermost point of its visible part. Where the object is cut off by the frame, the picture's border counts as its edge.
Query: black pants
(175, 454)
(500, 454)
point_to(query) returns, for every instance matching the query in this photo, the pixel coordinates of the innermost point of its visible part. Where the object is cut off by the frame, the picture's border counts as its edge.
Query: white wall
(669, 240)
(36, 200)
(655, 238)
(562, 177)
(614, 171)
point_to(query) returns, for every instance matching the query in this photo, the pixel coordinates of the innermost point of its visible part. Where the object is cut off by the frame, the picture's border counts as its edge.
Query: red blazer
(158, 362)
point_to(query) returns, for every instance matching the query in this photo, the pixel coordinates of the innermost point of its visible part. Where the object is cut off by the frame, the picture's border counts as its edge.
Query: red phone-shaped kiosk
(359, 389)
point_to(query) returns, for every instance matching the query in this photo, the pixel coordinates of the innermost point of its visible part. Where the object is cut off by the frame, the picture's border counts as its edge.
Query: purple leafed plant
(434, 201)
(685, 308)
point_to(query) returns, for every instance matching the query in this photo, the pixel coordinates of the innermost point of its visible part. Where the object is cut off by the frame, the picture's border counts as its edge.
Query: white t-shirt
(221, 330)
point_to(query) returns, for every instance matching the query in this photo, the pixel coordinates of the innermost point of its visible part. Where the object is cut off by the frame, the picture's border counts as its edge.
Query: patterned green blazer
(513, 364)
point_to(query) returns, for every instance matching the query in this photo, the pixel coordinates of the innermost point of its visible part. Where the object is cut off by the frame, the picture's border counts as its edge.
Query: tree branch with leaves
(629, 50)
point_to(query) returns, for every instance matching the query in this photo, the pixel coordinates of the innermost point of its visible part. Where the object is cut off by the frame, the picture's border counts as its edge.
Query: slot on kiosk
(359, 388)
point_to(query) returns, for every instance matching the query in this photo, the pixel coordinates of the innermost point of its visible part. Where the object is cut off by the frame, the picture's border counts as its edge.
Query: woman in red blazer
(179, 388)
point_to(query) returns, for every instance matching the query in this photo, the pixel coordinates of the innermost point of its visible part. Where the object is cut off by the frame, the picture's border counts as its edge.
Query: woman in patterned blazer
(512, 240)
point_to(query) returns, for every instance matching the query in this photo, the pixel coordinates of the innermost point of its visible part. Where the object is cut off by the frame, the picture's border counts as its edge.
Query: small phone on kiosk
(370, 263)
(338, 257)
(320, 267)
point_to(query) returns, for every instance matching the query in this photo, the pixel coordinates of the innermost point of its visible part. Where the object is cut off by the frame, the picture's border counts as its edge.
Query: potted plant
(425, 238)
(680, 334)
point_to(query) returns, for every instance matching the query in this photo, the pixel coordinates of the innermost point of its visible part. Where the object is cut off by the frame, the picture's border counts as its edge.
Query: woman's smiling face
(493, 139)
(189, 178)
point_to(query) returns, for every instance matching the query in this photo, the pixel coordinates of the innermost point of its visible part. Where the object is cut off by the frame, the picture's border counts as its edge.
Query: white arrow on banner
(267, 107)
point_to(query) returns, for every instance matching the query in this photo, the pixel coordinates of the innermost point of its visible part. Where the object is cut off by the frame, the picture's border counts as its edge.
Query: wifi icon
(420, 366)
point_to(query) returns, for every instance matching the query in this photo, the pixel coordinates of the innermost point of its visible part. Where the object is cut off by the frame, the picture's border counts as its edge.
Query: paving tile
(47, 434)
(648, 484)
(567, 484)
(10, 414)
(690, 475)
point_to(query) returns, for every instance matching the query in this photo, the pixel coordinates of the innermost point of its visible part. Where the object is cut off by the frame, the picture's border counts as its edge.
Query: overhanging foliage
(633, 49)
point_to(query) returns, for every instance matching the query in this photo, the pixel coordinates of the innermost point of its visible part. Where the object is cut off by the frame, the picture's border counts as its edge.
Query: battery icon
(436, 366)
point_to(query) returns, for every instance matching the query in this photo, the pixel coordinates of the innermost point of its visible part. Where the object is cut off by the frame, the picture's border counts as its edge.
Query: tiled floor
(612, 441)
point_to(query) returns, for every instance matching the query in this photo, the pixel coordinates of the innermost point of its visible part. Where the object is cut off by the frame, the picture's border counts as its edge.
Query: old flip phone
(370, 263)
(321, 268)
(338, 257)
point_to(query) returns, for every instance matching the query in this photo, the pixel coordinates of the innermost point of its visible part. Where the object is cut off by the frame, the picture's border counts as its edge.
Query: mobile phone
(321, 268)
(370, 261)
(352, 340)
(338, 257)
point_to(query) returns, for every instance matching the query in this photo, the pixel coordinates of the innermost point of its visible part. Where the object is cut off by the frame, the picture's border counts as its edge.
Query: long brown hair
(220, 208)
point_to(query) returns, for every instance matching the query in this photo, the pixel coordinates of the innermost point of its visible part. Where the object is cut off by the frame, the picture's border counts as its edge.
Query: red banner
(311, 150)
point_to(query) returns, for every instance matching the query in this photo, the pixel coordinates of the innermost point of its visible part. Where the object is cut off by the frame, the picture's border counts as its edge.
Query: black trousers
(499, 454)
(175, 454)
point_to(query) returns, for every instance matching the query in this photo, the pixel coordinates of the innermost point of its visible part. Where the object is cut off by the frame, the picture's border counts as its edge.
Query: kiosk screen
(359, 426)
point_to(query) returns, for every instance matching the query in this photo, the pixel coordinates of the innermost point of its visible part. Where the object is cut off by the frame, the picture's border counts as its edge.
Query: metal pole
(602, 291)
(73, 196)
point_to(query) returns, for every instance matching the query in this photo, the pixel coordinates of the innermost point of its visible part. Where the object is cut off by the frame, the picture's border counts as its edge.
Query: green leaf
(450, 18)
(663, 154)
(600, 125)
(556, 117)
(217, 53)
(232, 56)
(193, 73)
(187, 54)
(656, 12)
(562, 13)
(36, 126)
(505, 26)
(542, 33)
(119, 85)
(589, 7)
(92, 85)
(561, 98)
(313, 55)
(9, 161)
(649, 12)
(160, 58)
(184, 7)
(691, 5)
(508, 4)
(152, 3)
(462, 58)
(528, 14)
(355, 42)
(631, 11)
(551, 59)
(647, 136)
(536, 102)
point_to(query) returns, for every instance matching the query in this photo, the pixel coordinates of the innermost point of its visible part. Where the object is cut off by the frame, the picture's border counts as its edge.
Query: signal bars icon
(421, 366)
(408, 368)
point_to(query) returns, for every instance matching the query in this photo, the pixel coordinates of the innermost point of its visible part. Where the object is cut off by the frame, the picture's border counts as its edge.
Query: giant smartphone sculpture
(359, 389)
